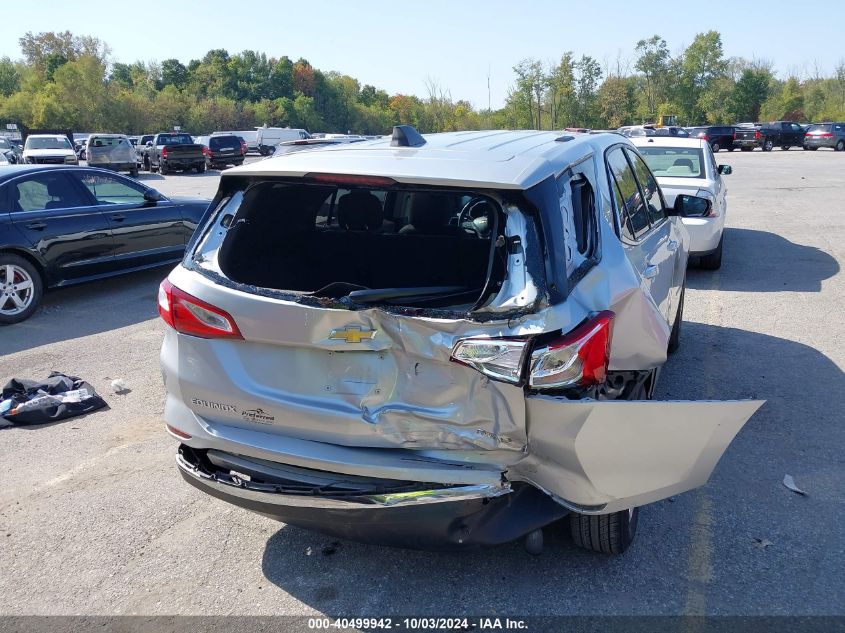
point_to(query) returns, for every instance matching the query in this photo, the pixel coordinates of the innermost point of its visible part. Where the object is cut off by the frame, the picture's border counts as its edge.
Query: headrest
(359, 211)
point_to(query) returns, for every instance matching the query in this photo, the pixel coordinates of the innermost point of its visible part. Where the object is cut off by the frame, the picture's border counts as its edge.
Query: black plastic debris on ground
(24, 401)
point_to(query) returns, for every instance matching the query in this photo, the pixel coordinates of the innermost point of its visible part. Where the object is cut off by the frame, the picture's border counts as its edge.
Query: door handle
(37, 226)
(651, 271)
(672, 245)
(117, 217)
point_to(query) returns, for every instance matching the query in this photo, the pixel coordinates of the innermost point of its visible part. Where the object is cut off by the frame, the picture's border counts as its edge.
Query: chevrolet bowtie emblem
(352, 334)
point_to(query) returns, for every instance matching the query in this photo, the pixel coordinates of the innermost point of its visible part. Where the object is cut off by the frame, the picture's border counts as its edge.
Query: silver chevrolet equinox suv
(439, 341)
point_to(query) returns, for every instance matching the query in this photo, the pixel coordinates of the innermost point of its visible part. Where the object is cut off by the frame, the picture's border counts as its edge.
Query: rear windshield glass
(824, 129)
(47, 142)
(105, 141)
(674, 162)
(224, 142)
(175, 139)
(426, 248)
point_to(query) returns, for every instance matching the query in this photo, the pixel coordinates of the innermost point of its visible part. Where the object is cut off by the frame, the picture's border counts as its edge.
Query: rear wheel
(21, 289)
(162, 168)
(785, 148)
(746, 149)
(840, 146)
(768, 145)
(714, 260)
(605, 533)
(133, 172)
(730, 149)
(200, 168)
(715, 147)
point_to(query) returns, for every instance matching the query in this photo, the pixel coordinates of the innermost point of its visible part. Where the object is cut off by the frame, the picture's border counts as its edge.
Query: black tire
(713, 261)
(746, 149)
(605, 533)
(147, 166)
(133, 172)
(200, 168)
(162, 168)
(840, 146)
(37, 286)
(785, 148)
(813, 149)
(715, 147)
(675, 336)
(730, 149)
(768, 145)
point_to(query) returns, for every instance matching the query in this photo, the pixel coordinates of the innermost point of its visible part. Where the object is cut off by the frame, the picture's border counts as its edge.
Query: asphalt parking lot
(94, 518)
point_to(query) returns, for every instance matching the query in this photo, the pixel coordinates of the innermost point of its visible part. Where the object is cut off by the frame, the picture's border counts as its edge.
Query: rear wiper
(372, 295)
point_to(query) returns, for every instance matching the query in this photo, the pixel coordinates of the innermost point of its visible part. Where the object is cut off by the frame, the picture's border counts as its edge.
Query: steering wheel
(467, 221)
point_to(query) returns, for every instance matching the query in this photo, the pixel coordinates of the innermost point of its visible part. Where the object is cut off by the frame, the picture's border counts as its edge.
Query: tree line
(64, 80)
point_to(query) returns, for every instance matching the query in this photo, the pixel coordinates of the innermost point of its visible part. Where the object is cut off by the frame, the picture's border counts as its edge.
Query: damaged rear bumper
(430, 516)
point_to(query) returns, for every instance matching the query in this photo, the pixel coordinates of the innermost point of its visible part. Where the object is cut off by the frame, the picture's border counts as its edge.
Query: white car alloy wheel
(17, 290)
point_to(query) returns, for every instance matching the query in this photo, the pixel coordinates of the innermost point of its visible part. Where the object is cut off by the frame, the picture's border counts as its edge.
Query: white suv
(439, 341)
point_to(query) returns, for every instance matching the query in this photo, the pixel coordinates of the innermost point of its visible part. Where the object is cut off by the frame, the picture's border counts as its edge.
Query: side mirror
(151, 195)
(687, 206)
(725, 169)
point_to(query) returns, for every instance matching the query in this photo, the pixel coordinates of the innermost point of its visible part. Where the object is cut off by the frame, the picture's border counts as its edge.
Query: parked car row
(749, 136)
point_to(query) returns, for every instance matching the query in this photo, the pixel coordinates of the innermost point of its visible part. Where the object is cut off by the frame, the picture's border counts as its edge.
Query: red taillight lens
(704, 137)
(756, 133)
(578, 358)
(164, 152)
(826, 135)
(734, 134)
(189, 315)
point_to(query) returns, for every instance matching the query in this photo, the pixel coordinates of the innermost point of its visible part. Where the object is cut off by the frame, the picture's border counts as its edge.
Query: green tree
(653, 62)
(588, 75)
(703, 63)
(750, 92)
(10, 79)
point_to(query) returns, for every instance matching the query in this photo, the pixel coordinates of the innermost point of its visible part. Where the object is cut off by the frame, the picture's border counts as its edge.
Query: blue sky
(400, 45)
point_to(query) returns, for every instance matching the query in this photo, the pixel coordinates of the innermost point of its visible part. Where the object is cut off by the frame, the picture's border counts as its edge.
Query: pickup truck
(171, 151)
(783, 134)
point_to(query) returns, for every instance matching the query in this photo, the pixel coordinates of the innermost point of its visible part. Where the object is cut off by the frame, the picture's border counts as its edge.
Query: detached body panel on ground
(439, 341)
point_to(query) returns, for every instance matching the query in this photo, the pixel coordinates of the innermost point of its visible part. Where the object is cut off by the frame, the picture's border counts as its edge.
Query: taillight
(502, 359)
(734, 134)
(180, 434)
(826, 135)
(164, 152)
(189, 315)
(578, 358)
(756, 134)
(704, 137)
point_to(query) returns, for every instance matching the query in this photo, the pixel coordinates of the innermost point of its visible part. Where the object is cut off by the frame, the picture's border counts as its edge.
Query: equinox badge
(352, 334)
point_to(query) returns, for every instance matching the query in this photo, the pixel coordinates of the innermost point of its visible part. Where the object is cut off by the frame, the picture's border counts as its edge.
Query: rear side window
(823, 129)
(651, 199)
(632, 211)
(577, 204)
(174, 139)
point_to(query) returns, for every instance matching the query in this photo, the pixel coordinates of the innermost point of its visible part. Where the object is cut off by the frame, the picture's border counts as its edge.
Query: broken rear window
(431, 248)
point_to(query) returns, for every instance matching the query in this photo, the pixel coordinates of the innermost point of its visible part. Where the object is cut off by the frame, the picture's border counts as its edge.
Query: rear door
(63, 224)
(143, 232)
(645, 229)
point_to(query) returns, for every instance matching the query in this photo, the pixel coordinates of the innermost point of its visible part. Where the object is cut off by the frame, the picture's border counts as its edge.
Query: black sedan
(66, 225)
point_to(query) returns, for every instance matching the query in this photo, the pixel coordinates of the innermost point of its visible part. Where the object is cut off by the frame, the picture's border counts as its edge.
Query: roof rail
(406, 136)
